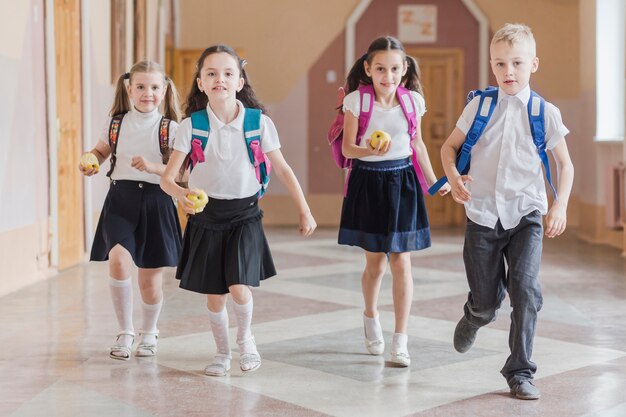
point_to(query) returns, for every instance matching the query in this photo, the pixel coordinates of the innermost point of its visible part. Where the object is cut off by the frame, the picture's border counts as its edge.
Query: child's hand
(445, 189)
(556, 220)
(185, 203)
(138, 162)
(88, 172)
(307, 224)
(460, 194)
(381, 149)
(89, 164)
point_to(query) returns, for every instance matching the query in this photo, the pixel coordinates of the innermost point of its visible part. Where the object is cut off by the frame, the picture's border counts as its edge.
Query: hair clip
(127, 76)
(243, 63)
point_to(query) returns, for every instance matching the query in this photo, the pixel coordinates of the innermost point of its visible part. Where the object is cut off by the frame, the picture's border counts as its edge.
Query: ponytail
(411, 79)
(121, 101)
(171, 105)
(357, 74)
(198, 100)
(247, 95)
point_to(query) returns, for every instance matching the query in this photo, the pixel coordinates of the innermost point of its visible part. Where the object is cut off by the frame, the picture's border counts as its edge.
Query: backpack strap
(366, 106)
(200, 129)
(408, 108)
(536, 117)
(164, 139)
(114, 134)
(367, 98)
(252, 133)
(486, 106)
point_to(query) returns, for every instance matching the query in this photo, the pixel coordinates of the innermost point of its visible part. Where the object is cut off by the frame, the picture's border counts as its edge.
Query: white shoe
(249, 358)
(401, 358)
(375, 347)
(147, 349)
(120, 351)
(219, 367)
(399, 351)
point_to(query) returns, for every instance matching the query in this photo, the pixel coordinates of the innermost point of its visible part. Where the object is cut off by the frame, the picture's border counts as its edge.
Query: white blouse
(138, 136)
(226, 172)
(507, 176)
(391, 121)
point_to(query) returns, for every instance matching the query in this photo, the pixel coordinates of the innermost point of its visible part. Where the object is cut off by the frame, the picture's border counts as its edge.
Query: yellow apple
(379, 136)
(199, 200)
(89, 161)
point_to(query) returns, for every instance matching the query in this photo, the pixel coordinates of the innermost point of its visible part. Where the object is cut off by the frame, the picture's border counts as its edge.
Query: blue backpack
(200, 129)
(488, 101)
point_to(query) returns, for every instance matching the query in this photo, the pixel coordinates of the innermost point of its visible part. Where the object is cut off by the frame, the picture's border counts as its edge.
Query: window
(610, 70)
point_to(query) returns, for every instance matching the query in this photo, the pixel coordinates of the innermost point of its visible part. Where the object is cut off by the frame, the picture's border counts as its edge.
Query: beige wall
(24, 201)
(557, 46)
(280, 38)
(100, 90)
(25, 238)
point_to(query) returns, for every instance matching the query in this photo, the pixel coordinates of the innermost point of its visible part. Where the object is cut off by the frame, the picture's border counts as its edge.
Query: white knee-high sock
(150, 317)
(219, 327)
(122, 298)
(243, 312)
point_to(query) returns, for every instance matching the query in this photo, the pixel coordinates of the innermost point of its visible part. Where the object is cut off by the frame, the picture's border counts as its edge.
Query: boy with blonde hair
(504, 195)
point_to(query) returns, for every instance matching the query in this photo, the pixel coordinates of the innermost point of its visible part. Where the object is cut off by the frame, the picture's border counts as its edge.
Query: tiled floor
(55, 338)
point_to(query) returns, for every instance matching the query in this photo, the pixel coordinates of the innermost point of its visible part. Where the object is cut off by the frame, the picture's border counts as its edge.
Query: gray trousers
(484, 253)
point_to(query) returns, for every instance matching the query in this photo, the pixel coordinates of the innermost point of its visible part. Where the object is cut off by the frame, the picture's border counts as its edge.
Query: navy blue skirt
(143, 219)
(225, 245)
(384, 210)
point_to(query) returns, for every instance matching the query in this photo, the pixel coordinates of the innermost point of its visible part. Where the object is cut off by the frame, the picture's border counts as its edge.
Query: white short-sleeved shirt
(391, 121)
(508, 179)
(227, 172)
(138, 136)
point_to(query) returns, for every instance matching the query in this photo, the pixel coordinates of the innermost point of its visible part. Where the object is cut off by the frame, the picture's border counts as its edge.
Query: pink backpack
(366, 92)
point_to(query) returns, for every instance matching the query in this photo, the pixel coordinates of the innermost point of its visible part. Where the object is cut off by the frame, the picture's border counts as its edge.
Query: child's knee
(400, 261)
(241, 293)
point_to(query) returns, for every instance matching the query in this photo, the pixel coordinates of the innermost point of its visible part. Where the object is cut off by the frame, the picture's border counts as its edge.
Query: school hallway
(309, 331)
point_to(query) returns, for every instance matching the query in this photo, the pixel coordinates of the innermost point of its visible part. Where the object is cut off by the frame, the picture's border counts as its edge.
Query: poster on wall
(417, 23)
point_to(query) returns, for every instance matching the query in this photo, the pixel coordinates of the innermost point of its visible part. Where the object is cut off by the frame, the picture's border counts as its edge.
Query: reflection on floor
(307, 322)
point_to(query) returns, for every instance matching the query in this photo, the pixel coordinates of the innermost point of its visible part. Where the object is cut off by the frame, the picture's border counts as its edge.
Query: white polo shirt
(391, 121)
(508, 179)
(227, 172)
(138, 136)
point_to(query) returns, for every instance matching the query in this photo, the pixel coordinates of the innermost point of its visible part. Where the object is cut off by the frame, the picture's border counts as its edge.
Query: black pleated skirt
(225, 245)
(143, 219)
(384, 209)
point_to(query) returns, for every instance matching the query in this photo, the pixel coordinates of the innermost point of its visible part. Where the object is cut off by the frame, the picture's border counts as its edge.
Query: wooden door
(184, 70)
(69, 122)
(442, 79)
